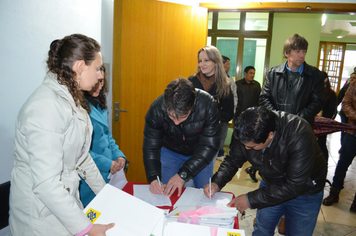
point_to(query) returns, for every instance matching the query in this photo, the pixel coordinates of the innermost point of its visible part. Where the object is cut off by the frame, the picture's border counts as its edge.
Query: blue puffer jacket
(103, 149)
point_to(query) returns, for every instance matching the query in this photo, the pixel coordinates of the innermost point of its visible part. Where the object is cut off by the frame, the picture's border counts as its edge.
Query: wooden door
(154, 43)
(331, 60)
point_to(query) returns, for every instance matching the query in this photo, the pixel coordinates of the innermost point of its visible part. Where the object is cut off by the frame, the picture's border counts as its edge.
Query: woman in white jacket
(52, 140)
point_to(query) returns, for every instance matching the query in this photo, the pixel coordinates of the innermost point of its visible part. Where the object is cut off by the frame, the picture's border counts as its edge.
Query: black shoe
(252, 173)
(353, 205)
(332, 198)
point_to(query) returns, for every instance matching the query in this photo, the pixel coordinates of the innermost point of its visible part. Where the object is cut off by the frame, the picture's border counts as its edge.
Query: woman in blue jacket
(104, 151)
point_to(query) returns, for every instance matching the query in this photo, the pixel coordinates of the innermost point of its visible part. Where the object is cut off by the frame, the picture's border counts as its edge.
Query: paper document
(118, 179)
(179, 229)
(223, 217)
(196, 197)
(131, 215)
(143, 192)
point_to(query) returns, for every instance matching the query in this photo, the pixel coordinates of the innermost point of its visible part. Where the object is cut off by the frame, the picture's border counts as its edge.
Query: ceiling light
(339, 33)
(323, 20)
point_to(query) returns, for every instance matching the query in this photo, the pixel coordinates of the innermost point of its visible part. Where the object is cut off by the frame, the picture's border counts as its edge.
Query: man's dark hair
(254, 125)
(295, 42)
(247, 68)
(225, 59)
(179, 97)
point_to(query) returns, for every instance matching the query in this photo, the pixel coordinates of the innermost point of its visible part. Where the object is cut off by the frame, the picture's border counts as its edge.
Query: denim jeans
(347, 154)
(301, 214)
(172, 162)
(224, 129)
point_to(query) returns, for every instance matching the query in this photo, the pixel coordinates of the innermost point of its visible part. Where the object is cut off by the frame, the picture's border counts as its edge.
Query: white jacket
(51, 147)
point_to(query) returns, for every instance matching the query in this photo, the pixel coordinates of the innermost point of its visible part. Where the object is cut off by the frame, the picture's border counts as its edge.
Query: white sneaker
(220, 158)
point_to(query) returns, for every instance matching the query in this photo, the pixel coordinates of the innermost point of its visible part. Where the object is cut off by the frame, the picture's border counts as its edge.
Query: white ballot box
(131, 215)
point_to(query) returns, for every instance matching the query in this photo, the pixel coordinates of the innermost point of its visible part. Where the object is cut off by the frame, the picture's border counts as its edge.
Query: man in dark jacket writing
(181, 138)
(283, 148)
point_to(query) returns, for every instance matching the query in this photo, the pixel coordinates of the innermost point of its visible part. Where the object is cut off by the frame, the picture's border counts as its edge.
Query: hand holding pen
(210, 189)
(156, 186)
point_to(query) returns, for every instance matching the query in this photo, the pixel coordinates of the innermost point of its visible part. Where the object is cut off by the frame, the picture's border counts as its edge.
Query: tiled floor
(334, 220)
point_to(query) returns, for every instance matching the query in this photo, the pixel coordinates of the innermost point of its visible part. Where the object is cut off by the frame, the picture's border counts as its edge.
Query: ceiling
(337, 23)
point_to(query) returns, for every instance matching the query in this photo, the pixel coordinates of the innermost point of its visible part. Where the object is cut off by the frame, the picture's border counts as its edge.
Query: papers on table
(118, 179)
(143, 192)
(178, 229)
(131, 215)
(196, 197)
(223, 217)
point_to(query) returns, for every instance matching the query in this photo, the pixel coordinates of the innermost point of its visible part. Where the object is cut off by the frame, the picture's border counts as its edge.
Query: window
(331, 60)
(244, 37)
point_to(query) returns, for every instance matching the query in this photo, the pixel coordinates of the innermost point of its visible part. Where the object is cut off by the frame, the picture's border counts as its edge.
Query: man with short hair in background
(248, 91)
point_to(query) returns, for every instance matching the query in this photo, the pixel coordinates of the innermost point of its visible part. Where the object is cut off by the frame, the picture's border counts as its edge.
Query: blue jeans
(224, 129)
(347, 154)
(301, 214)
(172, 162)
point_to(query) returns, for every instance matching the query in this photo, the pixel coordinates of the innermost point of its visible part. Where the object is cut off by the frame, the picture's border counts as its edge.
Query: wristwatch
(183, 175)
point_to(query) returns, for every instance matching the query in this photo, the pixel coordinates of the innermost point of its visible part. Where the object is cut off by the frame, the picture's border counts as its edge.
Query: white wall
(107, 39)
(27, 29)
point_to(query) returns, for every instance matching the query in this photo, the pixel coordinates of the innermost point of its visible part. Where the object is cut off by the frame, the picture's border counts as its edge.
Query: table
(174, 198)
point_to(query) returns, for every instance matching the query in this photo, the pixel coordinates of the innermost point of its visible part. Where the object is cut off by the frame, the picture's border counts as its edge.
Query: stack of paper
(224, 219)
(131, 215)
(196, 197)
(178, 229)
(192, 199)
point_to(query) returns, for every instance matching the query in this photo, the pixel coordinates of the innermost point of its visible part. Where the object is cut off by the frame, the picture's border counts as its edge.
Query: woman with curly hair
(104, 151)
(210, 76)
(51, 146)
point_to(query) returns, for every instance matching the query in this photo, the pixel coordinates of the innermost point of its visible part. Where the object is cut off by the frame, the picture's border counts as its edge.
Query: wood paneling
(154, 43)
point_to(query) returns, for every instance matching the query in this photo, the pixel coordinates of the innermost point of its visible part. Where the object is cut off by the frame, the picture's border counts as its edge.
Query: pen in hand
(159, 182)
(210, 188)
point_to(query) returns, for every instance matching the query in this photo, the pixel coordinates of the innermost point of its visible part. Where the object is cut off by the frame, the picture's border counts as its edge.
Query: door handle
(117, 111)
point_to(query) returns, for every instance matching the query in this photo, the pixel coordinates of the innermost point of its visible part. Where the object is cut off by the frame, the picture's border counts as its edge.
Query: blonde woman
(211, 77)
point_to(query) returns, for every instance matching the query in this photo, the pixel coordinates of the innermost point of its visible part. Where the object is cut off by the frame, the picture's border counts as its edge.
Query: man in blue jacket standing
(181, 138)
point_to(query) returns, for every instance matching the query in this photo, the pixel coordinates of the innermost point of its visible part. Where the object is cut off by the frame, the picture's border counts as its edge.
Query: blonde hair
(222, 82)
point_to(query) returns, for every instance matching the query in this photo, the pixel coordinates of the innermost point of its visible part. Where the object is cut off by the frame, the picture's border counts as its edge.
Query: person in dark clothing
(283, 148)
(347, 151)
(294, 86)
(328, 111)
(340, 96)
(181, 138)
(211, 77)
(248, 91)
